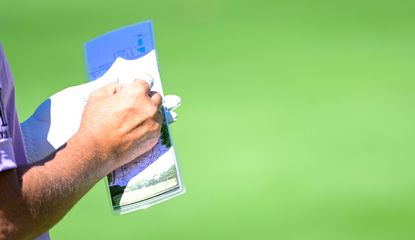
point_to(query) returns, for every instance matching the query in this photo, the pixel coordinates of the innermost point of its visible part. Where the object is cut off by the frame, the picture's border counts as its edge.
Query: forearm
(119, 123)
(47, 191)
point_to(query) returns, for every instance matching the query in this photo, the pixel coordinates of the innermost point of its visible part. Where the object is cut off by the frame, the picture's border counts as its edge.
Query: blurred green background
(297, 119)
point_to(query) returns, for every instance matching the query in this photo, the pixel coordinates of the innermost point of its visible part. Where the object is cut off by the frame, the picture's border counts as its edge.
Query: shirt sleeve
(7, 160)
(7, 157)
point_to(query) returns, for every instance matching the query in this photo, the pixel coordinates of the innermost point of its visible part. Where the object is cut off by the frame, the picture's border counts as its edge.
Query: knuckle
(141, 83)
(139, 88)
(157, 99)
(136, 92)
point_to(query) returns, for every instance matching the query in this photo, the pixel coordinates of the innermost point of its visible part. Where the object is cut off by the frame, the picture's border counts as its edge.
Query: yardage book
(153, 177)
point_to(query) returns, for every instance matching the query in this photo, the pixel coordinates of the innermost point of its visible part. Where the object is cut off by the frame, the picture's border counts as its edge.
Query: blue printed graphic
(129, 42)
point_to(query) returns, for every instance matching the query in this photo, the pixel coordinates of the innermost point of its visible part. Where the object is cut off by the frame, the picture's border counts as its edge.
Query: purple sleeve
(7, 160)
(11, 142)
(12, 151)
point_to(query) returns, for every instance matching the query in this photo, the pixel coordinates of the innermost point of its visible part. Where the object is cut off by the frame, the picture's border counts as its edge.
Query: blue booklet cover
(124, 54)
(131, 42)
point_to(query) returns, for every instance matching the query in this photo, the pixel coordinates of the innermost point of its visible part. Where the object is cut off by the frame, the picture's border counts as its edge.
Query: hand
(122, 121)
(58, 118)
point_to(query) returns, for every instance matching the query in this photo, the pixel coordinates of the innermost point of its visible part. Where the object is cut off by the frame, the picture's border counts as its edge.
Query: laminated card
(154, 176)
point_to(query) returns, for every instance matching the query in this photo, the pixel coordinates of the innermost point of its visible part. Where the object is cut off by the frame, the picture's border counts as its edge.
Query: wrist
(93, 152)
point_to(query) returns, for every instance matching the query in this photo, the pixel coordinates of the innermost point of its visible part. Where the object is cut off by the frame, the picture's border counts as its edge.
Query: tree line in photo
(164, 176)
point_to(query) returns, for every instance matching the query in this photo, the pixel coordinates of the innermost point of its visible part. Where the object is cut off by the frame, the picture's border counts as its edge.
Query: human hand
(58, 118)
(121, 122)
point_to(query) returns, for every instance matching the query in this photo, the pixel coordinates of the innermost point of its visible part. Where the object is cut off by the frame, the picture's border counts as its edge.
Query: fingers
(141, 85)
(155, 98)
(145, 77)
(138, 86)
(159, 118)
